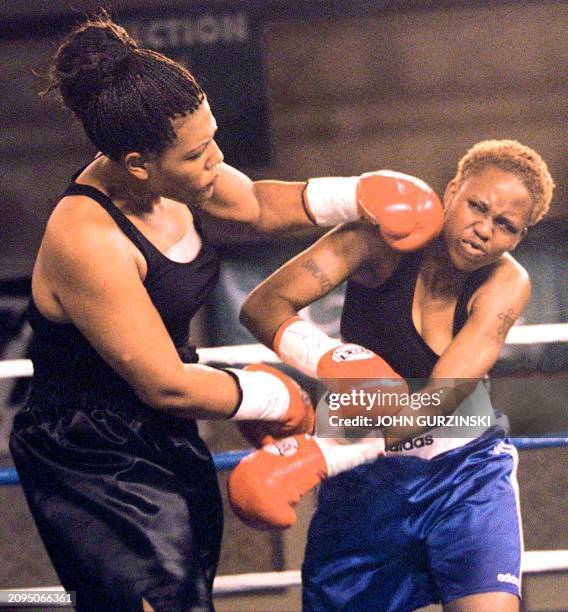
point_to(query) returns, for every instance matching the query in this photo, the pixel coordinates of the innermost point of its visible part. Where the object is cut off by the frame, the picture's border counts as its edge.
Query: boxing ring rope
(534, 562)
(248, 353)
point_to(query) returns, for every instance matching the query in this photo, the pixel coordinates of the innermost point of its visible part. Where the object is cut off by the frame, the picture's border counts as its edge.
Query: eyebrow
(501, 216)
(510, 222)
(203, 144)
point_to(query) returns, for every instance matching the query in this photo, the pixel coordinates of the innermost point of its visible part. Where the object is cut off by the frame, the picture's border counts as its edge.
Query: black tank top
(61, 354)
(380, 318)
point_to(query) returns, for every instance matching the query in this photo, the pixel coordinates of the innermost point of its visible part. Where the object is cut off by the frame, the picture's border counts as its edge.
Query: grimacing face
(486, 216)
(187, 169)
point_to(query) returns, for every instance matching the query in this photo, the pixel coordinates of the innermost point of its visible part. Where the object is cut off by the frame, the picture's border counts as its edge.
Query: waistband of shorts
(427, 446)
(439, 440)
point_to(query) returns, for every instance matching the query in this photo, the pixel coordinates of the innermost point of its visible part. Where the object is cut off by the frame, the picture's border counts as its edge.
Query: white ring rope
(545, 333)
(249, 583)
(533, 562)
(237, 354)
(16, 368)
(254, 353)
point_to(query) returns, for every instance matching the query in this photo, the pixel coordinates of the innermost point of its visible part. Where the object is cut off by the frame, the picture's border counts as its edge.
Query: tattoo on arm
(506, 320)
(324, 282)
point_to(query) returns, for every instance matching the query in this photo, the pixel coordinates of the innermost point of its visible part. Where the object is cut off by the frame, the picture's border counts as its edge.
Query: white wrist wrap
(332, 200)
(302, 345)
(345, 455)
(265, 397)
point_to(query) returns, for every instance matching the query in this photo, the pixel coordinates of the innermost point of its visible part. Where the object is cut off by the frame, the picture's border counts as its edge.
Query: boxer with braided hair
(122, 488)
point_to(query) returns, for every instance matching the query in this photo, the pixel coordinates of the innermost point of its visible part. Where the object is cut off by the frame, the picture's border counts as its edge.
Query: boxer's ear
(449, 193)
(137, 164)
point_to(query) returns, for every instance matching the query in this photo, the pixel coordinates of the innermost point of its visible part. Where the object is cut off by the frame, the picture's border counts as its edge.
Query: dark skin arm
(341, 253)
(352, 249)
(265, 206)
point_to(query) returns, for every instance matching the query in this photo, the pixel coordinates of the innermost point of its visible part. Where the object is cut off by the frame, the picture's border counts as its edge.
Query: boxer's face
(187, 169)
(486, 216)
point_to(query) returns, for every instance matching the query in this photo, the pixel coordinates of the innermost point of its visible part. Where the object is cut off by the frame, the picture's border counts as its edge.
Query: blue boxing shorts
(417, 527)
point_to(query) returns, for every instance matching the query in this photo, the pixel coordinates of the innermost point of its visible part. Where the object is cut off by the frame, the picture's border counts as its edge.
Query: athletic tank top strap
(197, 221)
(123, 222)
(472, 284)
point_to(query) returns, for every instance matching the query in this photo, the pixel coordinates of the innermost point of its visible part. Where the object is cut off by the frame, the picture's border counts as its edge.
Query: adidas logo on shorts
(418, 442)
(508, 578)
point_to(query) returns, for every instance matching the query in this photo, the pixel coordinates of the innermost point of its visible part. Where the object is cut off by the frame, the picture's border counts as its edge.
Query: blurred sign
(223, 51)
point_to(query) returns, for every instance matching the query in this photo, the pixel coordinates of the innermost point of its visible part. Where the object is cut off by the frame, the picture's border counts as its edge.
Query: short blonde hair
(512, 156)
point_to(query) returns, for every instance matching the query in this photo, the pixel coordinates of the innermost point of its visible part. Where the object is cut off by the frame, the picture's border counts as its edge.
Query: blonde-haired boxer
(433, 519)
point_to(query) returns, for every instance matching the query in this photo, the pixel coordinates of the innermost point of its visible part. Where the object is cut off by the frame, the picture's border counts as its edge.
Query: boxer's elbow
(178, 401)
(262, 313)
(252, 313)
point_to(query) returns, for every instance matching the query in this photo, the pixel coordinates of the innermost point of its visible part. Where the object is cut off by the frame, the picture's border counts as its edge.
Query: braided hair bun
(89, 58)
(125, 96)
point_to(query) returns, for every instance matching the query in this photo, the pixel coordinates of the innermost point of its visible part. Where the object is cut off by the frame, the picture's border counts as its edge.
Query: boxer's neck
(439, 276)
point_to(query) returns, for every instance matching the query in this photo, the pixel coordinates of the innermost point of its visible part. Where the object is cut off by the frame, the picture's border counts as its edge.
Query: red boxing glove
(266, 485)
(353, 361)
(374, 388)
(407, 210)
(343, 368)
(300, 416)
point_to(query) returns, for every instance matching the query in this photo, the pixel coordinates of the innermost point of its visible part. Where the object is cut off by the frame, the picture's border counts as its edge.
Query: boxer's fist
(353, 361)
(407, 210)
(341, 367)
(266, 484)
(363, 383)
(299, 418)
